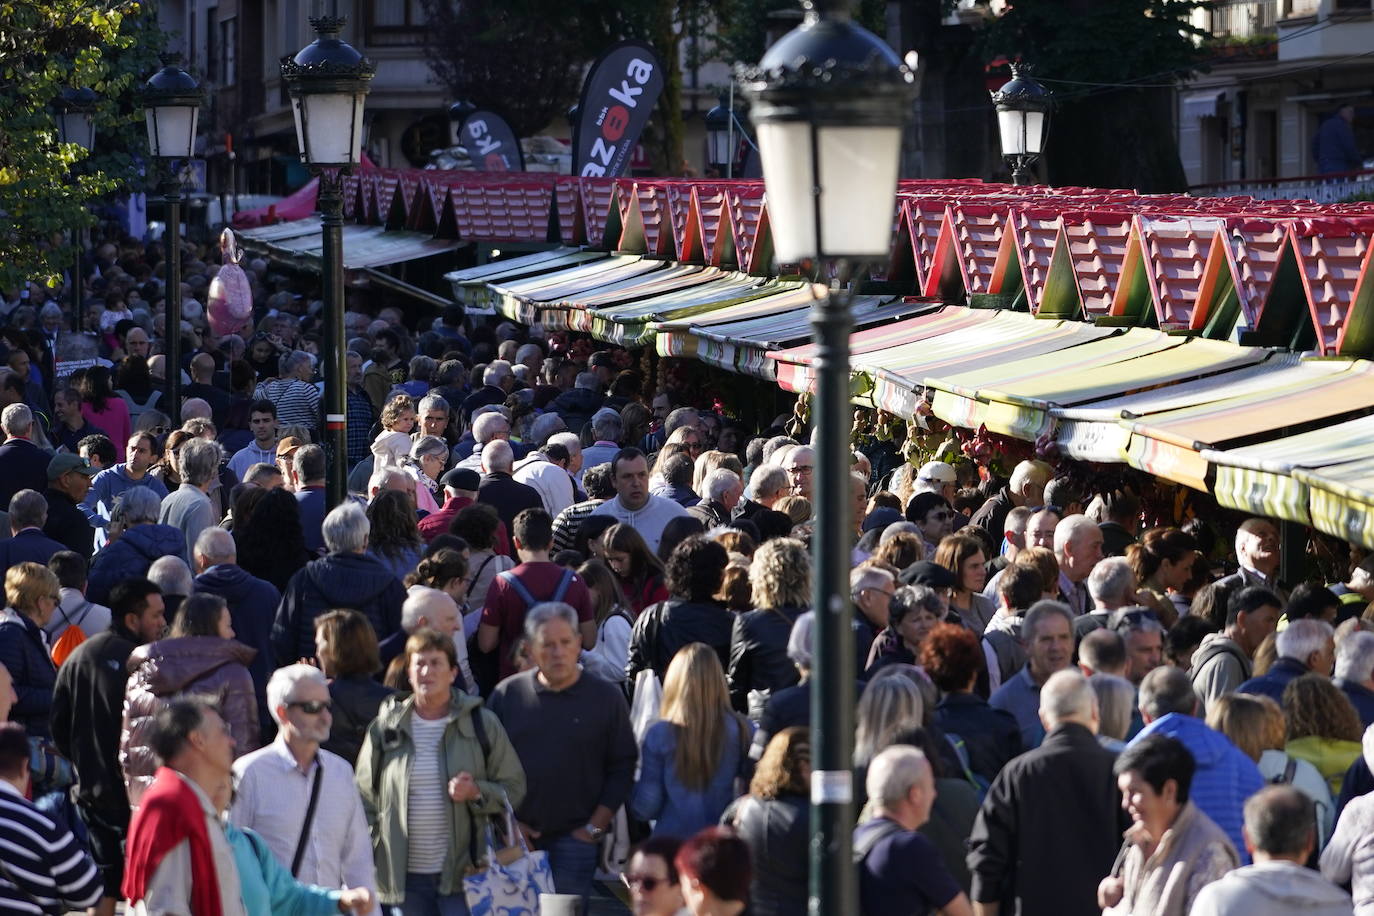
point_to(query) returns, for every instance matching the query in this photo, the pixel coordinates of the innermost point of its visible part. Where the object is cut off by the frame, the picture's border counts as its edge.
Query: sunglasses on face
(646, 883)
(313, 707)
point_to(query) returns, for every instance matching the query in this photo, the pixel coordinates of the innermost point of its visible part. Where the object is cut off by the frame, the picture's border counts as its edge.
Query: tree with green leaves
(46, 187)
(1113, 66)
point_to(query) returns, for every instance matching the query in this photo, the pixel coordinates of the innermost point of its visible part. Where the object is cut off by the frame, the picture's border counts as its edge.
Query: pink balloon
(231, 295)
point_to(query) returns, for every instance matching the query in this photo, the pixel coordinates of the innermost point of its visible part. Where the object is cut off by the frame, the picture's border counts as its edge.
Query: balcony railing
(1324, 189)
(1245, 18)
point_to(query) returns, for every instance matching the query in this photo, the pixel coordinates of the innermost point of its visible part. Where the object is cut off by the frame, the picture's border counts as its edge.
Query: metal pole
(730, 163)
(171, 195)
(1020, 171)
(336, 366)
(833, 888)
(78, 300)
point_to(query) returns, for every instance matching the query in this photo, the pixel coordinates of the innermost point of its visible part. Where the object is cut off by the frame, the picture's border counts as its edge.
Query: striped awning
(1260, 478)
(631, 323)
(470, 285)
(1016, 398)
(1169, 444)
(300, 242)
(1342, 499)
(521, 300)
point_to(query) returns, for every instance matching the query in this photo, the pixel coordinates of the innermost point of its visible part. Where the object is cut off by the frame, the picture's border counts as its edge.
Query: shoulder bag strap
(309, 817)
(480, 730)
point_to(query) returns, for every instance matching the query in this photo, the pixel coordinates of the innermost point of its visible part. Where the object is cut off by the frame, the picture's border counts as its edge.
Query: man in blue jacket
(252, 606)
(1225, 777)
(1305, 646)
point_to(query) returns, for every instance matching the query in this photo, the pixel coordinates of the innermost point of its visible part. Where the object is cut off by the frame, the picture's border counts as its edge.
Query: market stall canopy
(300, 243)
(1342, 499)
(471, 285)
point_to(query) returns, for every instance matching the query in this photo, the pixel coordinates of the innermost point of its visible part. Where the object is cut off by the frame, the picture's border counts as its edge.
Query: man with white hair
(252, 602)
(499, 488)
(23, 465)
(1078, 548)
(345, 577)
(1026, 488)
(296, 397)
(1257, 553)
(768, 484)
(300, 798)
(547, 470)
(429, 608)
(896, 861)
(486, 427)
(1111, 585)
(1355, 673)
(607, 429)
(1306, 646)
(871, 588)
(721, 492)
(390, 479)
(434, 417)
(173, 576)
(1053, 805)
(800, 465)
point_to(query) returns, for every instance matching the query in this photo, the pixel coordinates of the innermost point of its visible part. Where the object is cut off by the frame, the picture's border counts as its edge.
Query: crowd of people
(566, 608)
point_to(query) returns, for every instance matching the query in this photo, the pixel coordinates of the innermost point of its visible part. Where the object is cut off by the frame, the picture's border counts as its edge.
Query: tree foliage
(1112, 65)
(47, 187)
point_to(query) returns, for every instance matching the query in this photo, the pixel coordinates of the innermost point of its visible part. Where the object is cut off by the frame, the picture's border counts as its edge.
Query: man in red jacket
(178, 858)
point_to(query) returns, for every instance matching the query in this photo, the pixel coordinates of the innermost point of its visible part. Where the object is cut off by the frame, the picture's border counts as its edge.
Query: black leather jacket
(758, 657)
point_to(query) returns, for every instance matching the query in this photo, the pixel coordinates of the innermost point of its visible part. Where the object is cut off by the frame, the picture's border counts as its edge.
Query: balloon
(231, 295)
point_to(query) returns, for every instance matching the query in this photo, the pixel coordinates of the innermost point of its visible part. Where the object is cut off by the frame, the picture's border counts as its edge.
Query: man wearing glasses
(933, 516)
(800, 465)
(301, 798)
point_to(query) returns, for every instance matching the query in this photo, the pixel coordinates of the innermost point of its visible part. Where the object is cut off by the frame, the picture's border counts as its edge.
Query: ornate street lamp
(829, 102)
(74, 115)
(720, 124)
(1023, 120)
(171, 105)
(328, 81)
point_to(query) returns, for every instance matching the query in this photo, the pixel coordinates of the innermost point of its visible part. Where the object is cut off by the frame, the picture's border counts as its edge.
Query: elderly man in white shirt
(551, 479)
(275, 786)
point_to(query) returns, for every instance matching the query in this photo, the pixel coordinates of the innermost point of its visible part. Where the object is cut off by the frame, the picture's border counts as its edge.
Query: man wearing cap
(460, 487)
(69, 480)
(286, 451)
(937, 477)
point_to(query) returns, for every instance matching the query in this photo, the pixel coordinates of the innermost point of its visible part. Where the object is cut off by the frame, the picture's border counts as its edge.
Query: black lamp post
(328, 81)
(720, 137)
(829, 101)
(1023, 121)
(171, 106)
(74, 115)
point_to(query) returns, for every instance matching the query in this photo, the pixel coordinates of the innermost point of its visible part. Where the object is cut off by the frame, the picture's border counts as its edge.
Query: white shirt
(272, 796)
(553, 484)
(649, 519)
(427, 801)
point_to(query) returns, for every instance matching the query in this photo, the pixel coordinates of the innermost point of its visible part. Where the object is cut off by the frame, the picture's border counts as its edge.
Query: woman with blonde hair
(1256, 725)
(392, 445)
(1323, 728)
(781, 575)
(709, 461)
(901, 549)
(31, 597)
(773, 821)
(692, 756)
(890, 705)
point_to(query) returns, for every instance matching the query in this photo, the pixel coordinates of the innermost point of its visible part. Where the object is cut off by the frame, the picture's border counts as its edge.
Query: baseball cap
(881, 517)
(64, 462)
(461, 479)
(937, 470)
(925, 572)
(287, 447)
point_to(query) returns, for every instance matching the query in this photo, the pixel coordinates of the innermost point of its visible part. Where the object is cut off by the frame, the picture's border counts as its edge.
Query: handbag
(513, 878)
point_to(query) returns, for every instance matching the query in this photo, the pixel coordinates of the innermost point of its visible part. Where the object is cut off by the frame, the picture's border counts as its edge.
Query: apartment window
(395, 21)
(212, 49)
(229, 52)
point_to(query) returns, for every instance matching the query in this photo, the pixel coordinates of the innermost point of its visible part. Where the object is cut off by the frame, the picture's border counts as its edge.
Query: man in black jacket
(502, 491)
(1051, 824)
(69, 480)
(23, 465)
(87, 709)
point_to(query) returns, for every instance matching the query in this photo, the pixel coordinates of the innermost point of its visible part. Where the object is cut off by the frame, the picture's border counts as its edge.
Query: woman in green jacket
(430, 773)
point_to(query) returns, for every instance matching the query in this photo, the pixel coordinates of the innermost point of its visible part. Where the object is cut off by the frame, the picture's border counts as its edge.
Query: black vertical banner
(490, 143)
(617, 98)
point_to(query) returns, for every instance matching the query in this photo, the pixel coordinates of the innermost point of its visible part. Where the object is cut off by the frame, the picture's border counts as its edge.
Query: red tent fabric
(297, 206)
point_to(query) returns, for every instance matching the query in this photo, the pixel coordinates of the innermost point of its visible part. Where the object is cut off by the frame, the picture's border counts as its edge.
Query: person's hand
(582, 835)
(355, 900)
(463, 788)
(1109, 891)
(306, 660)
(529, 832)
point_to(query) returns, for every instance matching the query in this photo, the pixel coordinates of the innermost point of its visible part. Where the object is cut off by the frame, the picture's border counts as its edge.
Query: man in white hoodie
(1280, 833)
